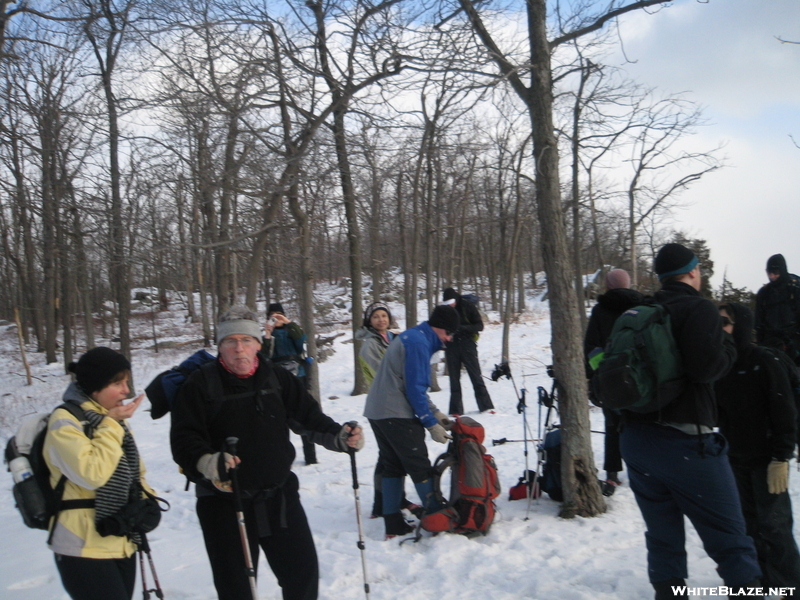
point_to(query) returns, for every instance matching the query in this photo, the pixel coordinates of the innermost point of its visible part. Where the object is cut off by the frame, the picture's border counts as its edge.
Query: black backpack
(550, 481)
(37, 501)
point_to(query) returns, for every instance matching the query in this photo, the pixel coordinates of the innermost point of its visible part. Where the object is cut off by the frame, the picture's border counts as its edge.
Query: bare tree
(659, 164)
(581, 492)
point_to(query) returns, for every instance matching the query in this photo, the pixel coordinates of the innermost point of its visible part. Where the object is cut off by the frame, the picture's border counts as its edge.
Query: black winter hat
(776, 264)
(674, 259)
(445, 317)
(450, 294)
(97, 368)
(275, 307)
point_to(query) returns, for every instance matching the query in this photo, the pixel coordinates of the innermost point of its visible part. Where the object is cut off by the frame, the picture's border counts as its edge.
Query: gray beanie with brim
(238, 320)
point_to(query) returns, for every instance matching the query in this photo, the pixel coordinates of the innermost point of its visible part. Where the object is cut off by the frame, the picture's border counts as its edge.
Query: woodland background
(247, 151)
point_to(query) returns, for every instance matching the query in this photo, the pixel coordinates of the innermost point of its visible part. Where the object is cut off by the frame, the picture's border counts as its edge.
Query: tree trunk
(578, 474)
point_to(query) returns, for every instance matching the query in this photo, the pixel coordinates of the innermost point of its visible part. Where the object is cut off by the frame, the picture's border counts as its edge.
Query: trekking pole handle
(230, 444)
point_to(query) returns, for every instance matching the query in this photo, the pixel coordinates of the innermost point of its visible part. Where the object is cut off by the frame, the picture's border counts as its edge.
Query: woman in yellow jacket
(94, 553)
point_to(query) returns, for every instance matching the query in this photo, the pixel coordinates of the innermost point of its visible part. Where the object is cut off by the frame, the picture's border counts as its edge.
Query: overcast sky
(726, 55)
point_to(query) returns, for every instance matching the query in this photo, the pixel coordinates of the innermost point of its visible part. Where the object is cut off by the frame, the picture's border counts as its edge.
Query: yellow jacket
(88, 465)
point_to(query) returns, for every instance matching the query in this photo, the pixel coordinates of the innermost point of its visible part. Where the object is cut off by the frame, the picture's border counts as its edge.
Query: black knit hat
(372, 308)
(275, 307)
(445, 317)
(674, 259)
(776, 264)
(450, 294)
(97, 368)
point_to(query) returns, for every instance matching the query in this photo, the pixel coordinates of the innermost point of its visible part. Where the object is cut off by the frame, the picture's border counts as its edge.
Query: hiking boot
(396, 525)
(608, 487)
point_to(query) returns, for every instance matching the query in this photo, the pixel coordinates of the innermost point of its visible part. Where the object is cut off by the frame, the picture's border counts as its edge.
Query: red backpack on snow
(473, 483)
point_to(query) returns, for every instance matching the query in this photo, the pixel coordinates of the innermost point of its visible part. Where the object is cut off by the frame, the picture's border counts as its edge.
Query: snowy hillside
(541, 557)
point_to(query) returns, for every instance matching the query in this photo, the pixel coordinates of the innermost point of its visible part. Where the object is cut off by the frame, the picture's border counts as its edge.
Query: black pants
(769, 522)
(464, 351)
(612, 460)
(290, 551)
(97, 578)
(401, 448)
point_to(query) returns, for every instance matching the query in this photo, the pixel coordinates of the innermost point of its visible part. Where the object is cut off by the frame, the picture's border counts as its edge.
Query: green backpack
(640, 369)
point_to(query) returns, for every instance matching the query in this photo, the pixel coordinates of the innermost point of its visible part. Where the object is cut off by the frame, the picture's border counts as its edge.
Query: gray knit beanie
(238, 320)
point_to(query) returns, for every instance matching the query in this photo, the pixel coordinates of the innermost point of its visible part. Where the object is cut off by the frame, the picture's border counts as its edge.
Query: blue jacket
(400, 388)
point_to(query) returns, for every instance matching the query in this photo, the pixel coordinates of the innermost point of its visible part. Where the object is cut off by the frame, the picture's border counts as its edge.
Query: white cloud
(725, 53)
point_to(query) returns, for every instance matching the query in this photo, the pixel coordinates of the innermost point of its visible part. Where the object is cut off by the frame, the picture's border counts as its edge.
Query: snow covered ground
(539, 557)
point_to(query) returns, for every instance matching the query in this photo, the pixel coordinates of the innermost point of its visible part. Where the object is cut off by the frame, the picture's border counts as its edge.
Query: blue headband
(691, 265)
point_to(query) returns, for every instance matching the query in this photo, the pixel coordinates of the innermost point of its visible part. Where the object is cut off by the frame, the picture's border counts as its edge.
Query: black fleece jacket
(757, 412)
(471, 323)
(707, 353)
(200, 426)
(608, 308)
(778, 311)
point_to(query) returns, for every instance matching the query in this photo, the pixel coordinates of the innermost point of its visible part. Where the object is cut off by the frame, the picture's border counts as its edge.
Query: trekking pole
(529, 485)
(230, 444)
(144, 548)
(360, 544)
(502, 441)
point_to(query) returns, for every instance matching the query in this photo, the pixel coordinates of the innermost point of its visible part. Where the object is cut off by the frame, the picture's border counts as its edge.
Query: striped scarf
(123, 486)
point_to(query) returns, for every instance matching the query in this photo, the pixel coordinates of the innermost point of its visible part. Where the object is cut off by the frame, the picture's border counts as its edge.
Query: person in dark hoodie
(677, 464)
(617, 299)
(777, 321)
(757, 416)
(463, 350)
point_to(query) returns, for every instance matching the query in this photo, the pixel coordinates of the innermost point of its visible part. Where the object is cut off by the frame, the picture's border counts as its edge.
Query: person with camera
(95, 546)
(284, 344)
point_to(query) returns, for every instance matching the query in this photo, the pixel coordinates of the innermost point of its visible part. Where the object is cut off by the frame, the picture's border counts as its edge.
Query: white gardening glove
(443, 419)
(438, 434)
(208, 466)
(778, 476)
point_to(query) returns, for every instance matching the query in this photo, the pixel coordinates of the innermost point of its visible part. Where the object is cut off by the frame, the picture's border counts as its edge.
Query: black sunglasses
(726, 321)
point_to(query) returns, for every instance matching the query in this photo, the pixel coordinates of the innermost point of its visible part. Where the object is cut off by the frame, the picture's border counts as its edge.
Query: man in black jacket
(463, 350)
(617, 299)
(677, 465)
(757, 415)
(243, 395)
(778, 309)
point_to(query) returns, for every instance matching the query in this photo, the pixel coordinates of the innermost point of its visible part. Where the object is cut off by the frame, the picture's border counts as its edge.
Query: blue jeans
(673, 474)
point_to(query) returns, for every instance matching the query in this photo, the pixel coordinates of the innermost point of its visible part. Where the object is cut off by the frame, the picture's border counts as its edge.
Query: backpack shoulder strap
(58, 492)
(217, 396)
(76, 411)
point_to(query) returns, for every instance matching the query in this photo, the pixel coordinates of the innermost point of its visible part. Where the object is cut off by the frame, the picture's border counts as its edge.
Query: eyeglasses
(234, 342)
(726, 321)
